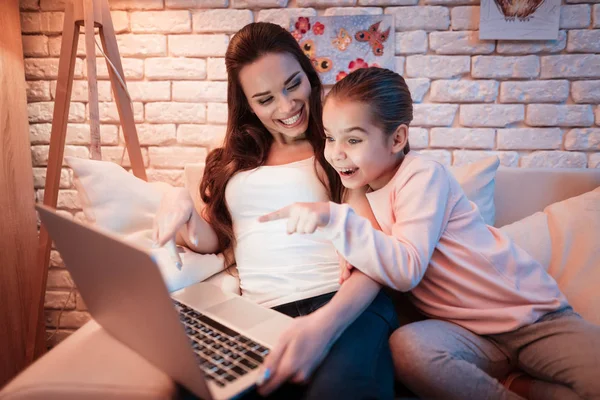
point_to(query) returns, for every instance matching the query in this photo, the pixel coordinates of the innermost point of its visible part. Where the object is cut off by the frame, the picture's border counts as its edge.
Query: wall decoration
(519, 19)
(339, 45)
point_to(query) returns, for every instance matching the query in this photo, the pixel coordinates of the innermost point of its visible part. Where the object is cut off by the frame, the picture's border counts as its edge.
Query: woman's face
(278, 92)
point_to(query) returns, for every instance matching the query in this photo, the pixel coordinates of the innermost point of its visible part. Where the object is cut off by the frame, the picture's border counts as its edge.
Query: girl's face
(359, 150)
(278, 92)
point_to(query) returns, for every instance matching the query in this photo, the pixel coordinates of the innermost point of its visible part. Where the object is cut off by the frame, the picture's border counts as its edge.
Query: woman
(272, 157)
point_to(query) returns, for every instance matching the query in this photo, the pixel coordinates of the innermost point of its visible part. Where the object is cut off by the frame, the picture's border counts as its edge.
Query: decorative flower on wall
(318, 28)
(303, 24)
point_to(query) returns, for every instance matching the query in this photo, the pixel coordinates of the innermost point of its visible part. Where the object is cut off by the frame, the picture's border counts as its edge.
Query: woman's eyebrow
(284, 83)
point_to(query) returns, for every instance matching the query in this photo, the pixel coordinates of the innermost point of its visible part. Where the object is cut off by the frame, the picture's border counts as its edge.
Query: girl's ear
(399, 139)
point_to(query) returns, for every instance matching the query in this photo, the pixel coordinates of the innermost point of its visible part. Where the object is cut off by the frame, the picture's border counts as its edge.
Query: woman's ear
(399, 139)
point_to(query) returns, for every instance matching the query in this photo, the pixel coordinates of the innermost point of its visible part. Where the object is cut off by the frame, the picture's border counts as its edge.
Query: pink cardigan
(435, 244)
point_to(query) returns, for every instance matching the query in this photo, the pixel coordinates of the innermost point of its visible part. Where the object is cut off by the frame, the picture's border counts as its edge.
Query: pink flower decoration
(303, 24)
(297, 35)
(341, 75)
(318, 28)
(357, 64)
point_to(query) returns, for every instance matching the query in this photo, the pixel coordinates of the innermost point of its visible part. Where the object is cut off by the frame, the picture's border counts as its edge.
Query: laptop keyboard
(222, 353)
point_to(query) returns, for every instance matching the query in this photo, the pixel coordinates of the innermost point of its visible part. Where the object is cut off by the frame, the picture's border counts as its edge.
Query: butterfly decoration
(342, 41)
(375, 38)
(321, 64)
(520, 9)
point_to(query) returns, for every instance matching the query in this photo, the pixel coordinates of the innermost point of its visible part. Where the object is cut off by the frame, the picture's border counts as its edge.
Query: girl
(272, 156)
(492, 307)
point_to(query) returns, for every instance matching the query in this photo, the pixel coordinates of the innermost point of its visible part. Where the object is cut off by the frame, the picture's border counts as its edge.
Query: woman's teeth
(292, 120)
(348, 171)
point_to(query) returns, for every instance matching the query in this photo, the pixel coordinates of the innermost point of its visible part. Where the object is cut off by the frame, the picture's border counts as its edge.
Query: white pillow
(115, 200)
(478, 181)
(532, 235)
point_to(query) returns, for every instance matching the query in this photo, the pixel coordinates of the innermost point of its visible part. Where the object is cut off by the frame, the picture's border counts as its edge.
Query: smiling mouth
(347, 172)
(293, 120)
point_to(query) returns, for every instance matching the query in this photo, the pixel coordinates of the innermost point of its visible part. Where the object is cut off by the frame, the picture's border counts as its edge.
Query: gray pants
(441, 360)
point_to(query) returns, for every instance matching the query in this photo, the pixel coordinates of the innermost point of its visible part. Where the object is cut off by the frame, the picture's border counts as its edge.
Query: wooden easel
(90, 14)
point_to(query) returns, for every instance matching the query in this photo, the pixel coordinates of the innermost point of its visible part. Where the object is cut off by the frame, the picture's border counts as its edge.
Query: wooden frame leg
(66, 68)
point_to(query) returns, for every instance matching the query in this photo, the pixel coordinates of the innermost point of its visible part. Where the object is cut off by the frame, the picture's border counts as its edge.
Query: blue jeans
(359, 364)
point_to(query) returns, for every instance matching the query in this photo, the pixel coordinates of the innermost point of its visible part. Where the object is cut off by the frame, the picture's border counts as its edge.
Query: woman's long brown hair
(247, 141)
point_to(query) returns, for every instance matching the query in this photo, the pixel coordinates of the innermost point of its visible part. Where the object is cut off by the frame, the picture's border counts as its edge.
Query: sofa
(90, 364)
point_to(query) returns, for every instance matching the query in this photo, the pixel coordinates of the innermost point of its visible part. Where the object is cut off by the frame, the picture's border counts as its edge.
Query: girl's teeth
(292, 120)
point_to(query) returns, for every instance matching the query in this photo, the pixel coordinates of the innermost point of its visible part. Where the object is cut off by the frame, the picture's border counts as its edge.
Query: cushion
(115, 200)
(532, 235)
(477, 180)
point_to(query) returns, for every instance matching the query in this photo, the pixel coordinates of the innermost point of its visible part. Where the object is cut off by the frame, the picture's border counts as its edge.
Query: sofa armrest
(90, 364)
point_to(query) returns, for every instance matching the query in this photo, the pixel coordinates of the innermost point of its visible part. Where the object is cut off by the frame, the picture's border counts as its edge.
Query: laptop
(209, 341)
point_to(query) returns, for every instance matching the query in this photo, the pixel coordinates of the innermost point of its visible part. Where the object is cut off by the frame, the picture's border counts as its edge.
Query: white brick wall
(531, 103)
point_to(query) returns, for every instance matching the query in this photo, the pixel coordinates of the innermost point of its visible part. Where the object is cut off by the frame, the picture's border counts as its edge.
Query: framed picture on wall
(339, 45)
(519, 19)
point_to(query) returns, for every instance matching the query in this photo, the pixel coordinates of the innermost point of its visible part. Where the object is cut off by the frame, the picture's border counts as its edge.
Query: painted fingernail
(264, 377)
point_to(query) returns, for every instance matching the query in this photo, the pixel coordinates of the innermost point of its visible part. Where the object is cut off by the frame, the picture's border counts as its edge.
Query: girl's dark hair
(384, 91)
(247, 141)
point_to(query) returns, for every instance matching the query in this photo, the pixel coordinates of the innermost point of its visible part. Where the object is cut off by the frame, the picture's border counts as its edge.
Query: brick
(228, 21)
(215, 69)
(463, 91)
(216, 113)
(31, 22)
(55, 43)
(136, 4)
(47, 68)
(461, 42)
(120, 156)
(154, 134)
(39, 182)
(462, 138)
(533, 47)
(442, 156)
(258, 4)
(29, 5)
(79, 91)
(35, 46)
(596, 17)
(335, 11)
(434, 114)
(79, 304)
(67, 199)
(399, 65)
(194, 4)
(175, 68)
(583, 139)
(571, 66)
(210, 136)
(284, 17)
(198, 45)
(597, 114)
(582, 1)
(554, 159)
(491, 115)
(465, 18)
(505, 67)
(427, 18)
(586, 91)
(594, 160)
(554, 91)
(418, 138)
(175, 157)
(77, 134)
(133, 69)
(39, 154)
(52, 22)
(324, 3)
(176, 113)
(174, 177)
(529, 139)
(81, 218)
(38, 91)
(418, 88)
(411, 42)
(108, 112)
(55, 257)
(56, 300)
(120, 20)
(387, 2)
(575, 16)
(437, 67)
(142, 45)
(68, 319)
(52, 5)
(161, 21)
(583, 41)
(452, 2)
(149, 91)
(507, 158)
(43, 112)
(200, 91)
(559, 115)
(56, 336)
(59, 279)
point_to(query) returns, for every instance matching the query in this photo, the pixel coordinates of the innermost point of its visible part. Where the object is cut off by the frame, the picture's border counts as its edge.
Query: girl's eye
(329, 139)
(262, 102)
(294, 86)
(354, 141)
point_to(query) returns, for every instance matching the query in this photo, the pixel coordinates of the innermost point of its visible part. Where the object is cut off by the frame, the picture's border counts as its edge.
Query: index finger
(275, 215)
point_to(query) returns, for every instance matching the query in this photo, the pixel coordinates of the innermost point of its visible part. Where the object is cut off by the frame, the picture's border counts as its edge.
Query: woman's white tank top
(274, 267)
